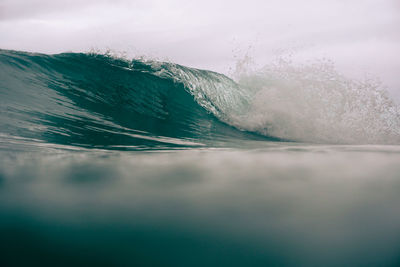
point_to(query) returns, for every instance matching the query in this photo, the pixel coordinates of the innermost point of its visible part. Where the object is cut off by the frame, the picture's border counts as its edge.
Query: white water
(314, 103)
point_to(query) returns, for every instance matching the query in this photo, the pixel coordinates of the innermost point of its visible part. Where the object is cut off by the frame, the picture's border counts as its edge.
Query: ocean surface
(106, 161)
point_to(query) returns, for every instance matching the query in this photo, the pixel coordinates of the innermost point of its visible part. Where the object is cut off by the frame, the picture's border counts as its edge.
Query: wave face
(97, 101)
(91, 100)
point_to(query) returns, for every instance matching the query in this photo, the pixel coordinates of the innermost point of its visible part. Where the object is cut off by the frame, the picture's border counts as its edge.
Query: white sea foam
(314, 103)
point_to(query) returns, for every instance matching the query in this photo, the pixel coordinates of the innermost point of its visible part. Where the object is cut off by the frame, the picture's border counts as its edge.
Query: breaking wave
(98, 101)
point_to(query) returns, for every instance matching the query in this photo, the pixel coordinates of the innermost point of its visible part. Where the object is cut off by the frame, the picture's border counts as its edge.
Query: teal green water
(109, 162)
(97, 101)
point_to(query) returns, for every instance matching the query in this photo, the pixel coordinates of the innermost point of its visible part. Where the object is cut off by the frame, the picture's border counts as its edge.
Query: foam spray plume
(314, 103)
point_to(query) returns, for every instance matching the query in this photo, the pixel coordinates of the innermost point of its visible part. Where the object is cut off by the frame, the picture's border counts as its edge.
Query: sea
(106, 161)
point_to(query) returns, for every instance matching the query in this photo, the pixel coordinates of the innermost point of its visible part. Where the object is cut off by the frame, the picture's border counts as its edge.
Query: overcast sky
(360, 36)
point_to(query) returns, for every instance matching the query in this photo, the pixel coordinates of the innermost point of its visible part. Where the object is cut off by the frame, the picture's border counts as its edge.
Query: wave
(93, 100)
(98, 101)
